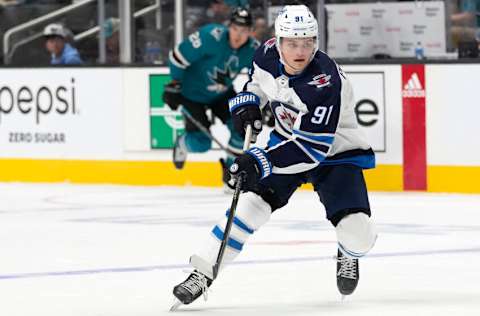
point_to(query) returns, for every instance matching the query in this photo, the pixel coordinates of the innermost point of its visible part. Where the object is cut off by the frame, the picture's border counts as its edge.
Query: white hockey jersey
(315, 122)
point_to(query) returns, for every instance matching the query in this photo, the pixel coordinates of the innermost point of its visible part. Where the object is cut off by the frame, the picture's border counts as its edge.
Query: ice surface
(68, 250)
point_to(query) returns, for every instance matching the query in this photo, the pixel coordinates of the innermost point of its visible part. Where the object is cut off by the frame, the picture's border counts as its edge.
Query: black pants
(199, 111)
(341, 189)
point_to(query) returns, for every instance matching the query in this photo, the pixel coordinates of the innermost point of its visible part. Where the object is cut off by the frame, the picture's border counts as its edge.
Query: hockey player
(203, 68)
(315, 140)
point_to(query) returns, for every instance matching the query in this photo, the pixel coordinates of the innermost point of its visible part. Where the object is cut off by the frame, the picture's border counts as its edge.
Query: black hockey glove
(245, 110)
(253, 165)
(172, 94)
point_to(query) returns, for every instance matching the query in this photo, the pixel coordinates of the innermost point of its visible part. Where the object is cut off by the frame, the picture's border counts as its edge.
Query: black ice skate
(192, 288)
(347, 274)
(180, 152)
(228, 181)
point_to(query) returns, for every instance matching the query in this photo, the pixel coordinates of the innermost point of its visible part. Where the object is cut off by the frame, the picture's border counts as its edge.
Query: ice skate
(347, 274)
(180, 152)
(192, 288)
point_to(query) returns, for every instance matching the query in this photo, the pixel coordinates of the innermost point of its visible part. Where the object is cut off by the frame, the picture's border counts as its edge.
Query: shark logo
(220, 78)
(217, 33)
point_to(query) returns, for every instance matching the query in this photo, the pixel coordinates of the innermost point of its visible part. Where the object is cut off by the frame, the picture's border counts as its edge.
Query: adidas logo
(413, 88)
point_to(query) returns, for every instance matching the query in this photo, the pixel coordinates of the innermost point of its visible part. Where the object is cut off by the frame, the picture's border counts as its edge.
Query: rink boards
(108, 125)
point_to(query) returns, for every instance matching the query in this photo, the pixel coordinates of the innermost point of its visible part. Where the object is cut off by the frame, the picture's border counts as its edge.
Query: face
(238, 35)
(220, 8)
(296, 53)
(261, 29)
(55, 45)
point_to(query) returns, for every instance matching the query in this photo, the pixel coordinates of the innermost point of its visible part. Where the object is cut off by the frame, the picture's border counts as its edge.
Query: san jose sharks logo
(320, 81)
(220, 78)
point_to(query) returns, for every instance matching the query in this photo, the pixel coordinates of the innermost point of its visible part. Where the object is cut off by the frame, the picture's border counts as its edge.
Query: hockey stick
(199, 263)
(207, 133)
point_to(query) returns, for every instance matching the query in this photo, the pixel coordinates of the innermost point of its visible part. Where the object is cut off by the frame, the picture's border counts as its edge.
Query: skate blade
(176, 305)
(343, 298)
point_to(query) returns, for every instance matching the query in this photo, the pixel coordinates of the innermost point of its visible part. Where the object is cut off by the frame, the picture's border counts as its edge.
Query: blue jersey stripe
(316, 138)
(275, 139)
(324, 148)
(316, 154)
(362, 161)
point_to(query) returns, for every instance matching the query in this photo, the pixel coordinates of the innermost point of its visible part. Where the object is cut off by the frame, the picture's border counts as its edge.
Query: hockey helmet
(296, 21)
(242, 17)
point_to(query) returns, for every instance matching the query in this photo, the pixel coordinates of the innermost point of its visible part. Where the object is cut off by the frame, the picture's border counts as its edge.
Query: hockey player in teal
(203, 68)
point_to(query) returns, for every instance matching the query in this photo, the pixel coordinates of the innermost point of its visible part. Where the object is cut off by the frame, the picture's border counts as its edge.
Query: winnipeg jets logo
(320, 81)
(285, 116)
(222, 78)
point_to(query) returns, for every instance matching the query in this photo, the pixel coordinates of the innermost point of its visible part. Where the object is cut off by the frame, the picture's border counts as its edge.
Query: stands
(155, 24)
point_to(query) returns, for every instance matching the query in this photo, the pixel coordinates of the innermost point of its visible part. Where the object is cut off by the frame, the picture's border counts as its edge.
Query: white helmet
(296, 21)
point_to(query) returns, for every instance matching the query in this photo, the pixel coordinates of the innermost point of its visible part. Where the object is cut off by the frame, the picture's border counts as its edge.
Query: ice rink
(68, 250)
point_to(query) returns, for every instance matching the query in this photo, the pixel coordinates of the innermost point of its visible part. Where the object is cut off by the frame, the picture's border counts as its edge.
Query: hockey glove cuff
(245, 110)
(254, 165)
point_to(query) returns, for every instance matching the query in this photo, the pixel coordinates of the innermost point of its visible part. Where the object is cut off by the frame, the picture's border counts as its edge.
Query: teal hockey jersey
(206, 64)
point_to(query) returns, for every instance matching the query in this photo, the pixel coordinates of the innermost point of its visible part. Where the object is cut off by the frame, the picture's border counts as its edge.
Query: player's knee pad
(356, 234)
(197, 142)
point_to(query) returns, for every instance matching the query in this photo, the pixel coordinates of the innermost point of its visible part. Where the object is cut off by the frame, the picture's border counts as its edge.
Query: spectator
(261, 31)
(62, 53)
(217, 11)
(466, 23)
(111, 27)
